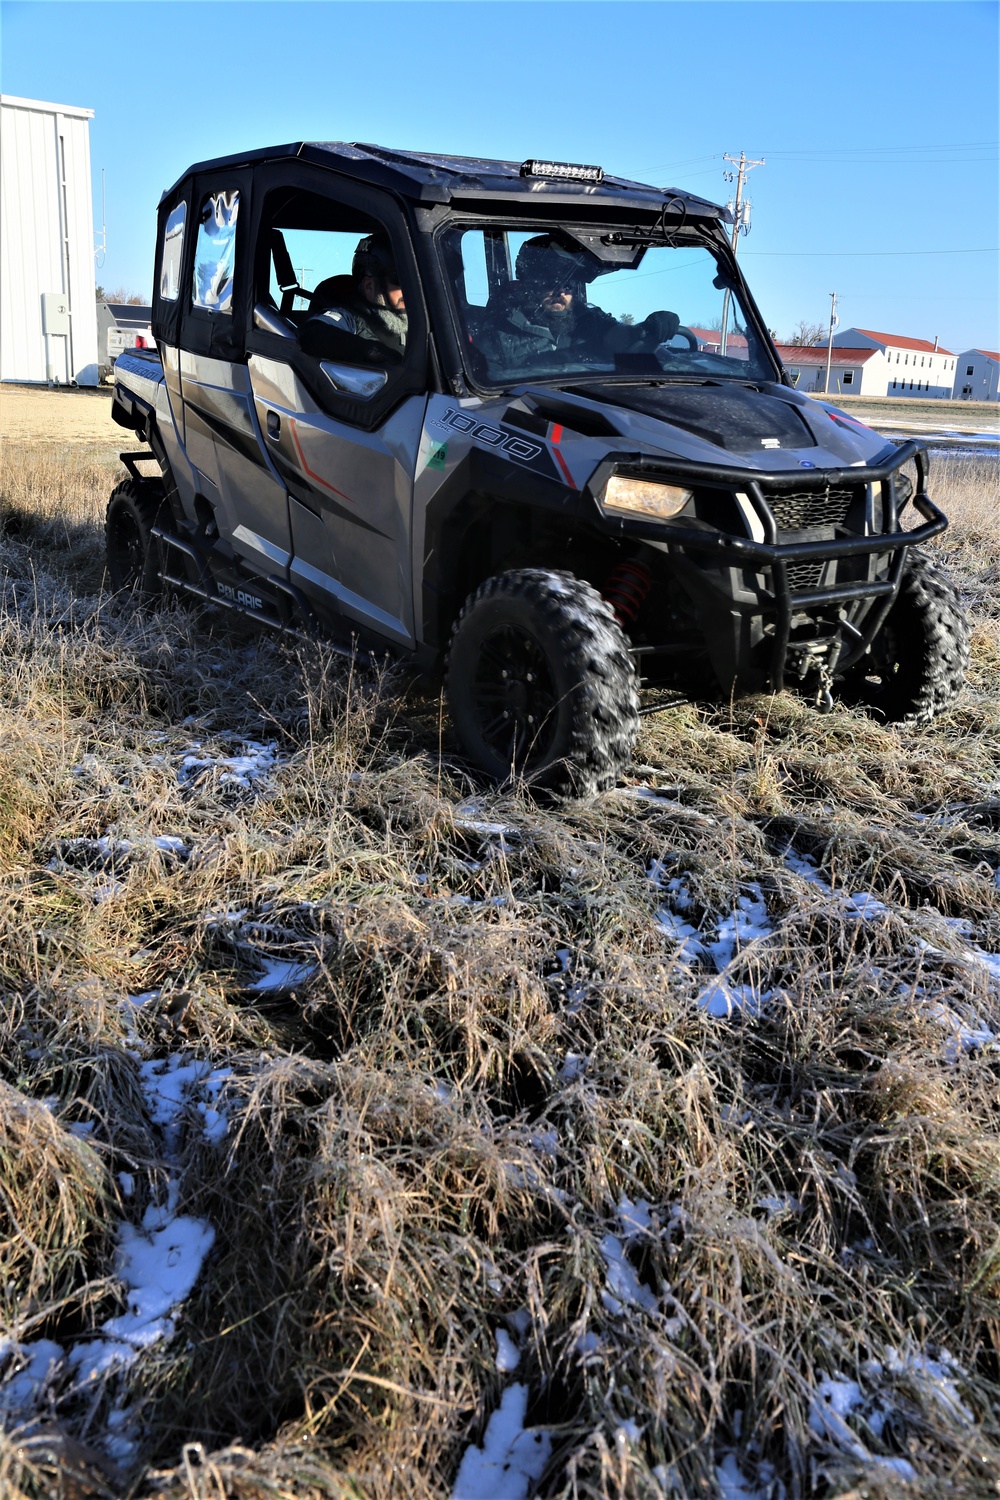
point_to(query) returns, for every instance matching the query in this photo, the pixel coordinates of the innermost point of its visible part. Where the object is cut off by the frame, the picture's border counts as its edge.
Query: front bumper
(780, 602)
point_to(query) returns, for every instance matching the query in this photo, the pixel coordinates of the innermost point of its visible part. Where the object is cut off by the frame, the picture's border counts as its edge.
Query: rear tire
(541, 685)
(133, 553)
(917, 662)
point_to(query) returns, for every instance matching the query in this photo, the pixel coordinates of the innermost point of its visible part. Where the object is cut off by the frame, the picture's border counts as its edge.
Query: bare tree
(808, 334)
(131, 299)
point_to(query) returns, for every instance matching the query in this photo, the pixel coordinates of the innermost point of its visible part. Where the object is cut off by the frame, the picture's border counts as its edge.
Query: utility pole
(741, 221)
(829, 343)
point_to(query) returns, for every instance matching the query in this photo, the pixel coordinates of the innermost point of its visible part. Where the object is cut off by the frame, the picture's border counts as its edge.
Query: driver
(545, 311)
(376, 308)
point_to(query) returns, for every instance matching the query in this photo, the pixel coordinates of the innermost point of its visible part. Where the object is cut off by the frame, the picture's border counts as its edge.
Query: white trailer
(48, 316)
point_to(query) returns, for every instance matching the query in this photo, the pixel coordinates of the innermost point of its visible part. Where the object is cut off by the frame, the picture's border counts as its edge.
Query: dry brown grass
(409, 1162)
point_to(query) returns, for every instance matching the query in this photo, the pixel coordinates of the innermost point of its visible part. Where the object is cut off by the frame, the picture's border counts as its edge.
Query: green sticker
(438, 456)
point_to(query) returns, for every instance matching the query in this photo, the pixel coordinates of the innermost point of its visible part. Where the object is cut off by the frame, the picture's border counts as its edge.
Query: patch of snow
(623, 1286)
(169, 843)
(34, 1365)
(468, 815)
(832, 1403)
(938, 1377)
(964, 1036)
(508, 1354)
(627, 1432)
(804, 865)
(105, 888)
(732, 1483)
(575, 993)
(722, 999)
(120, 1442)
(635, 1218)
(747, 922)
(159, 1263)
(573, 1067)
(215, 1124)
(784, 1204)
(866, 907)
(280, 973)
(244, 771)
(167, 1083)
(692, 949)
(142, 999)
(990, 961)
(510, 1460)
(127, 1183)
(587, 1343)
(837, 1398)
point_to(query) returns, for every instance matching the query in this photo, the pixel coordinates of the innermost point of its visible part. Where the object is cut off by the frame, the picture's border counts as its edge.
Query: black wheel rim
(515, 697)
(128, 550)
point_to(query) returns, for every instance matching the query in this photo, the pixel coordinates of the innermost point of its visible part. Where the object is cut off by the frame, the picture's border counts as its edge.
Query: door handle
(273, 424)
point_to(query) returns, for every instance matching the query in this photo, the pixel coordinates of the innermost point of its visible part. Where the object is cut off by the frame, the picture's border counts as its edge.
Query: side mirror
(321, 338)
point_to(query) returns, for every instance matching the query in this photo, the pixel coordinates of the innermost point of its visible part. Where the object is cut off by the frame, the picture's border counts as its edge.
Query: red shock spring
(626, 588)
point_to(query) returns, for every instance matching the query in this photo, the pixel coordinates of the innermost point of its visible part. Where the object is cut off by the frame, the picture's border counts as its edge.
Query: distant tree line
(808, 334)
(119, 294)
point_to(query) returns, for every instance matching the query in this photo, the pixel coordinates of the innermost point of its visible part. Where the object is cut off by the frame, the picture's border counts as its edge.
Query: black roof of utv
(425, 177)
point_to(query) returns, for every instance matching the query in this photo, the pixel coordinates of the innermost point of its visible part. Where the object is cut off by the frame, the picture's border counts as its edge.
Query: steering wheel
(680, 332)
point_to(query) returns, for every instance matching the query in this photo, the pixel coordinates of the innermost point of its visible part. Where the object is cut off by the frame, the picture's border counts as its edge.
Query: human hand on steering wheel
(661, 327)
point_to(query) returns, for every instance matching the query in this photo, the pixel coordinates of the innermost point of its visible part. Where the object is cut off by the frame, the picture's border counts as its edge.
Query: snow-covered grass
(364, 1131)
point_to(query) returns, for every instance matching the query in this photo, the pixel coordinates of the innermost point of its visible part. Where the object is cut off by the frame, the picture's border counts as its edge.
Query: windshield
(536, 305)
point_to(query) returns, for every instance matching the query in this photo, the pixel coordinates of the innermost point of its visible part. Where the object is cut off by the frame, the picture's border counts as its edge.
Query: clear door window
(173, 254)
(215, 251)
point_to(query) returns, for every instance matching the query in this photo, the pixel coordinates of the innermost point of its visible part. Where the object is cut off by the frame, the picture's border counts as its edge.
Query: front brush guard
(774, 555)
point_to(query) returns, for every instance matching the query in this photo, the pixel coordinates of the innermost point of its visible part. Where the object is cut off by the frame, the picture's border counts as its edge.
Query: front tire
(541, 685)
(917, 662)
(133, 553)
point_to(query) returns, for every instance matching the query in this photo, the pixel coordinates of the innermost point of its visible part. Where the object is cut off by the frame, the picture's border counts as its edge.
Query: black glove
(660, 327)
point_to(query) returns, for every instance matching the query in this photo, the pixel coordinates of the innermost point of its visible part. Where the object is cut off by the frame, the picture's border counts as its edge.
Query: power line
(841, 153)
(814, 151)
(868, 254)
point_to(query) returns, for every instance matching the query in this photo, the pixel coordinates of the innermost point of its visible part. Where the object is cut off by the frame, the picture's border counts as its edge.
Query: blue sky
(878, 121)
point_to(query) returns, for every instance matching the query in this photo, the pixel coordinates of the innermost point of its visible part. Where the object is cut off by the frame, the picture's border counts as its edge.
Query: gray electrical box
(55, 313)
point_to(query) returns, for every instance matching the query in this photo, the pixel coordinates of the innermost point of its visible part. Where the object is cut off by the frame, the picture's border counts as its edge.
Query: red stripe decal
(318, 477)
(567, 475)
(555, 438)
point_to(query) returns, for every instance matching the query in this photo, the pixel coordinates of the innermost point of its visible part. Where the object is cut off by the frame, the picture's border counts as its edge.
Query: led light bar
(568, 171)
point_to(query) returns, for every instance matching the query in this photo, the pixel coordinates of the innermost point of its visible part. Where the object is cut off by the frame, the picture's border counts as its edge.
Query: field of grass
(980, 414)
(364, 1132)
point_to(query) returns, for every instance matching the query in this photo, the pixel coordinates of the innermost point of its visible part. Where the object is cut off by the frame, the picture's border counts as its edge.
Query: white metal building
(977, 375)
(911, 367)
(853, 372)
(48, 316)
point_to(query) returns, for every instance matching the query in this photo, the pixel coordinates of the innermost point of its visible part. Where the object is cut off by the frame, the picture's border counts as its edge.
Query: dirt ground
(72, 416)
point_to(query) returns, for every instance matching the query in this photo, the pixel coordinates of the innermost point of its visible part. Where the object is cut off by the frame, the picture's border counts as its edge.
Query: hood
(735, 418)
(712, 422)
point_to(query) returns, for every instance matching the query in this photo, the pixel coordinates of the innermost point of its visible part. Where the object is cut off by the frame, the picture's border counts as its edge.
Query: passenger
(374, 307)
(545, 312)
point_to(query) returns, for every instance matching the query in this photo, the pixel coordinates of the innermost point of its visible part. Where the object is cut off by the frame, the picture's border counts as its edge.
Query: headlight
(644, 497)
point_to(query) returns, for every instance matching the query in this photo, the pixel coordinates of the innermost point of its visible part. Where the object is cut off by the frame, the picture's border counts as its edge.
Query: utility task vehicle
(579, 470)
